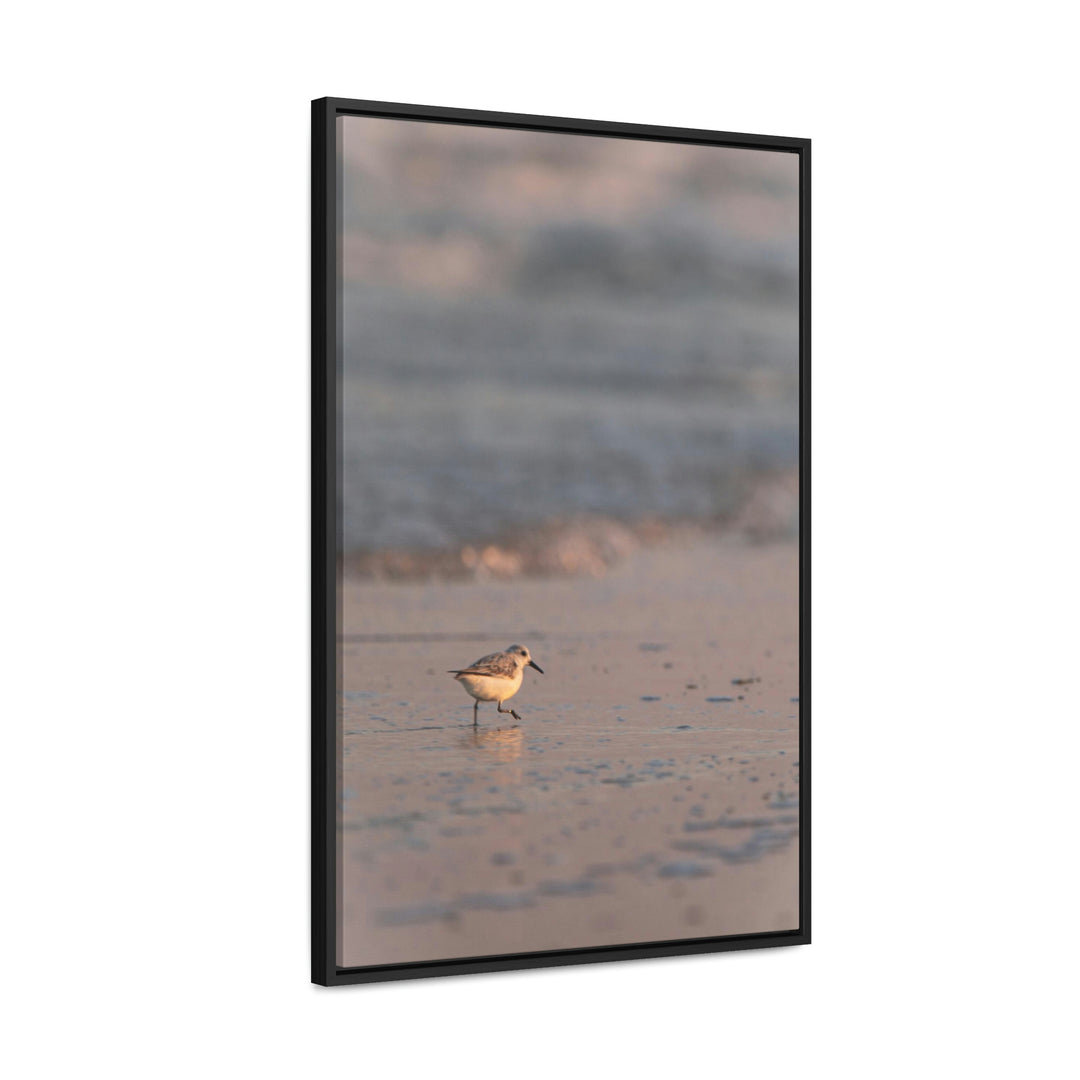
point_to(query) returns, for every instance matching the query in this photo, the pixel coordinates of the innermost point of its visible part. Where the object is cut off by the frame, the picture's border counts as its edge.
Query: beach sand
(649, 792)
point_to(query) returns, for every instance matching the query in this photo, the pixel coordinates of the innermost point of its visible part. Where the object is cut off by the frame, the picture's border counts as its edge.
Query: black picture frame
(325, 342)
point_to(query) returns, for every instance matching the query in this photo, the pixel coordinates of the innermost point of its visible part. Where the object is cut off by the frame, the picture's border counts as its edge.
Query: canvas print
(568, 557)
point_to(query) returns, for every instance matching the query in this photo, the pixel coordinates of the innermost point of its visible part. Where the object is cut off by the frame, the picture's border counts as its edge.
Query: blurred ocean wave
(469, 418)
(584, 545)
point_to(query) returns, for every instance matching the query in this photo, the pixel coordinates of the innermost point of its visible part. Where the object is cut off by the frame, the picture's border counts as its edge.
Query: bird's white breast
(488, 688)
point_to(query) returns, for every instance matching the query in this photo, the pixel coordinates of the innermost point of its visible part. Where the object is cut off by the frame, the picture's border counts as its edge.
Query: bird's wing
(498, 665)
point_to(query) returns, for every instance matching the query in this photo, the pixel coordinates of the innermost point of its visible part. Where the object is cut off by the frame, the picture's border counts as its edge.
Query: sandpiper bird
(496, 677)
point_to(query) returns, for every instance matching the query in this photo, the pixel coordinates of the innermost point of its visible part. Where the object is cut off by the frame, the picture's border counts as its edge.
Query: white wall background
(153, 434)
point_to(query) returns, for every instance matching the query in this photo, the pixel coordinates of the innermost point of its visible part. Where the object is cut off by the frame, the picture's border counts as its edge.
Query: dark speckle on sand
(408, 916)
(685, 869)
(497, 901)
(762, 842)
(581, 887)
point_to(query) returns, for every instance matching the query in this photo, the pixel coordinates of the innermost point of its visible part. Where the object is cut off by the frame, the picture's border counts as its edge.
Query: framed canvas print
(560, 484)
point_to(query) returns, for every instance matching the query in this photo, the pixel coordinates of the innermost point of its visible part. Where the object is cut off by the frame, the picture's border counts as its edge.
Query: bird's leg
(510, 711)
(475, 706)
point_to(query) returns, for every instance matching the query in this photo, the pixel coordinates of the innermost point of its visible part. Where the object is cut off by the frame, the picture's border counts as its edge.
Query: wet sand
(649, 792)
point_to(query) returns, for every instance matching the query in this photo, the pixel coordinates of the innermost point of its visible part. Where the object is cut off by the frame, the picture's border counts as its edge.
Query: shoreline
(586, 544)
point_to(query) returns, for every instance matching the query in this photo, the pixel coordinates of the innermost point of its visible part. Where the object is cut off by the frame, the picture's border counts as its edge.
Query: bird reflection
(505, 744)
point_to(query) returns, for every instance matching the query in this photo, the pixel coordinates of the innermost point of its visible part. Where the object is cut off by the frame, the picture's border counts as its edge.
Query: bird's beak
(537, 666)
